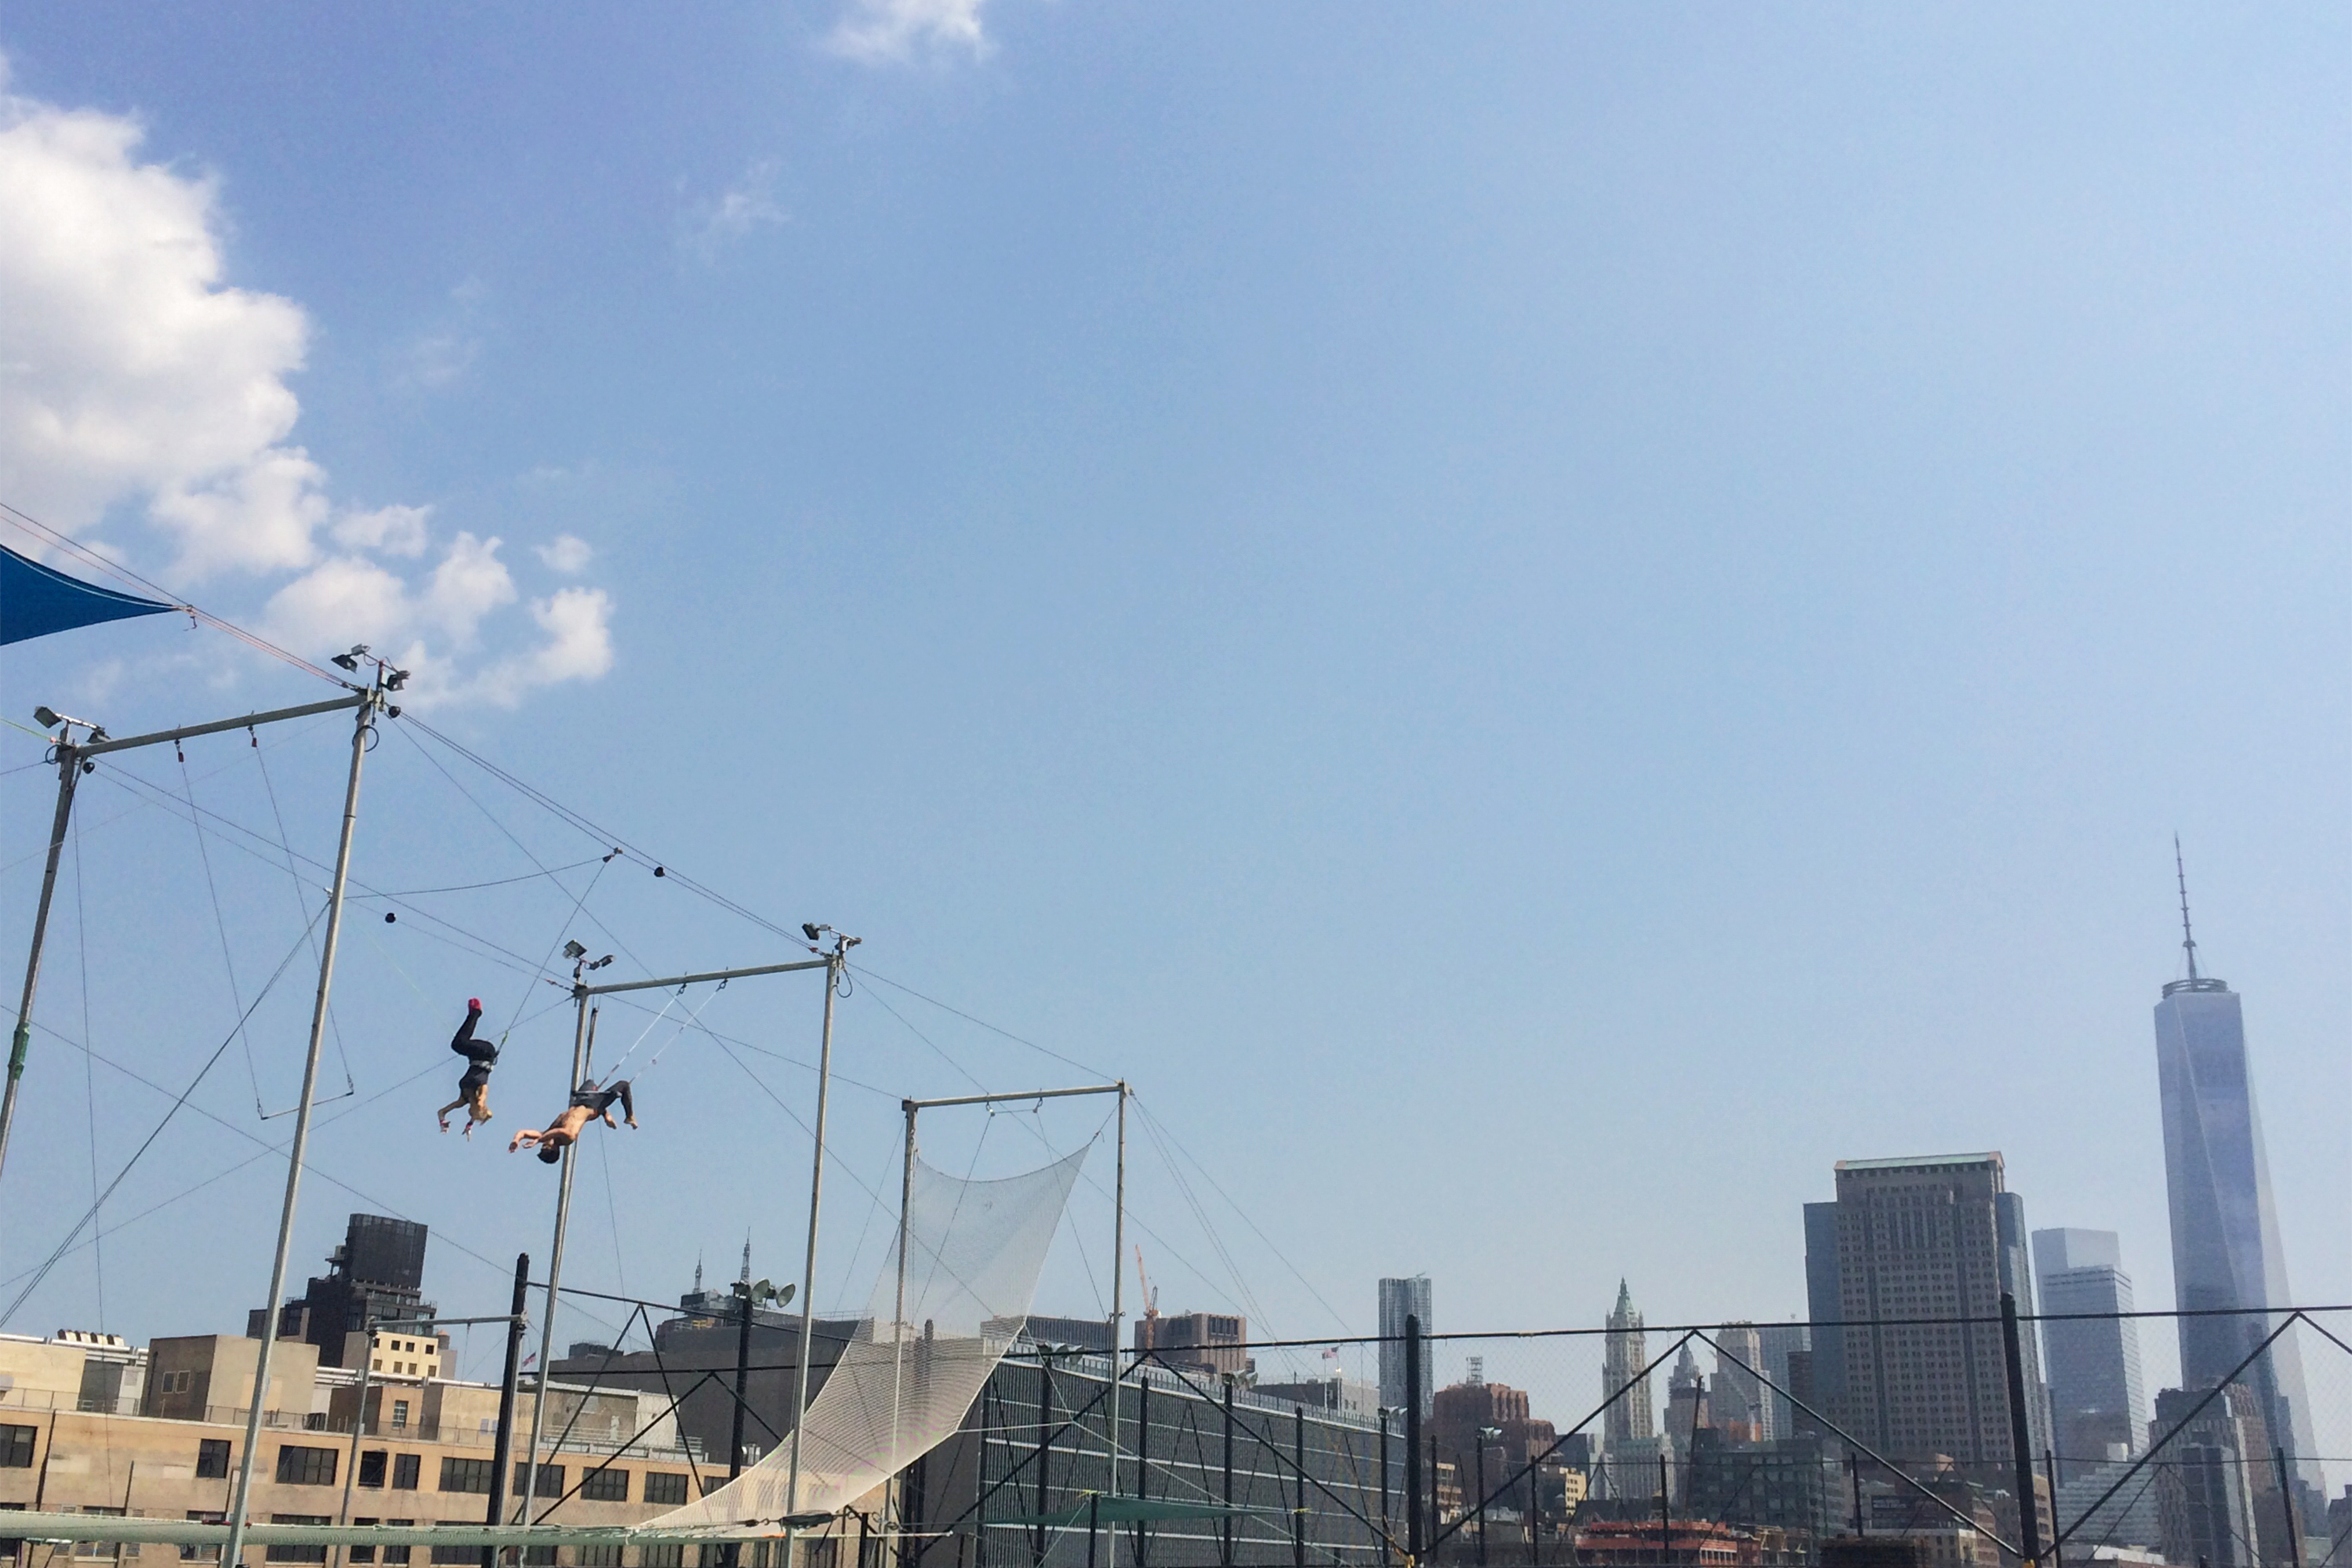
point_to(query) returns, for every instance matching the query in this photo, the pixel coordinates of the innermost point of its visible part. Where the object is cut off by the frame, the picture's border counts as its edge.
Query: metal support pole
(1665, 1511)
(359, 1425)
(1535, 1515)
(734, 1551)
(2286, 1501)
(1388, 1529)
(1142, 1453)
(1117, 1309)
(1853, 1473)
(2020, 1441)
(2050, 1472)
(899, 1312)
(231, 1553)
(1045, 1443)
(1298, 1462)
(580, 1033)
(69, 773)
(834, 970)
(502, 1447)
(1415, 1531)
(1481, 1434)
(1226, 1556)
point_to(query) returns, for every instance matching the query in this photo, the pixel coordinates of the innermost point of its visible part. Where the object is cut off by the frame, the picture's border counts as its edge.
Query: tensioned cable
(220, 927)
(294, 880)
(298, 730)
(264, 1150)
(97, 1203)
(25, 522)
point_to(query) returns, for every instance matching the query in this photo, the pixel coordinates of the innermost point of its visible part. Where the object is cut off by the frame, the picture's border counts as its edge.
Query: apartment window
(212, 1457)
(456, 1554)
(467, 1476)
(296, 1553)
(404, 1471)
(550, 1479)
(178, 1382)
(16, 1446)
(361, 1553)
(664, 1486)
(105, 1549)
(400, 1413)
(204, 1553)
(604, 1486)
(397, 1554)
(372, 1463)
(298, 1467)
(670, 1556)
(598, 1556)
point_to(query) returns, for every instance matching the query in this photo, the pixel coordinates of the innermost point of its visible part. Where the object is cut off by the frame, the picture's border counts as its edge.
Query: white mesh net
(909, 1372)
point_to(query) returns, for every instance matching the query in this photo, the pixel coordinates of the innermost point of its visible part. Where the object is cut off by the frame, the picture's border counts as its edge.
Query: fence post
(1046, 1445)
(1142, 1455)
(2020, 1439)
(2286, 1501)
(1225, 1533)
(1413, 1534)
(1388, 1529)
(1298, 1460)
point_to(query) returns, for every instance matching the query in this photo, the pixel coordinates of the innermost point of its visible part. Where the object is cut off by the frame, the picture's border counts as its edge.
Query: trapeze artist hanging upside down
(474, 1083)
(588, 1103)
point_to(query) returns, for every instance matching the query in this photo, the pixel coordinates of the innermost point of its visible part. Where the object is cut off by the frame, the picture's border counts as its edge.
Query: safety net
(933, 1332)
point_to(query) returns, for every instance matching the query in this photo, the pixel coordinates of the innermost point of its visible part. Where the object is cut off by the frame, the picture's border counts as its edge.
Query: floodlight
(46, 716)
(346, 660)
(812, 931)
(396, 681)
(601, 962)
(574, 951)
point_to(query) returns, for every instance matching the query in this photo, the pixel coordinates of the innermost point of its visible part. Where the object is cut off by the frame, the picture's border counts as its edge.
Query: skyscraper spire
(2181, 871)
(746, 1275)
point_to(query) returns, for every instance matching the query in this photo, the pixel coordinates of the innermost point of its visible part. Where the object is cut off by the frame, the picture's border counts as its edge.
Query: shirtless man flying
(588, 1103)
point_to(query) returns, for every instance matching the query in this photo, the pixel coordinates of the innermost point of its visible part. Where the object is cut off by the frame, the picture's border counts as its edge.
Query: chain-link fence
(1897, 1443)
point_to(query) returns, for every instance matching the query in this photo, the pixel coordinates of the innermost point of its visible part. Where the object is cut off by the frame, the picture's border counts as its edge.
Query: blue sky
(1539, 620)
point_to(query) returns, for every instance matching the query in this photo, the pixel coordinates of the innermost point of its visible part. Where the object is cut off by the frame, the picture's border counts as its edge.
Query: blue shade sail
(35, 601)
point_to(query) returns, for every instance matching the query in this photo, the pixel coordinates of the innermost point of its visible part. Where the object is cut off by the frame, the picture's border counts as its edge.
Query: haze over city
(1539, 622)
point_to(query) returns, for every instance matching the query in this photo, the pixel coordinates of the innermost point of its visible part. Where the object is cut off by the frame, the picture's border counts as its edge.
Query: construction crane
(1150, 1299)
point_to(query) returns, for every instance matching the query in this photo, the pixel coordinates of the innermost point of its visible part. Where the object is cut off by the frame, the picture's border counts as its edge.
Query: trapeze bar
(995, 1099)
(699, 979)
(337, 705)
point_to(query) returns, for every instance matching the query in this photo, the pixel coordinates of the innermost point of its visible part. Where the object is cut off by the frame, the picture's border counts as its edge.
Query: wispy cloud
(894, 32)
(747, 206)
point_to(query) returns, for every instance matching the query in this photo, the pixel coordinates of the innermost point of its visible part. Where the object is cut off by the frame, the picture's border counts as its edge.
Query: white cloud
(747, 206)
(133, 378)
(391, 529)
(889, 32)
(567, 553)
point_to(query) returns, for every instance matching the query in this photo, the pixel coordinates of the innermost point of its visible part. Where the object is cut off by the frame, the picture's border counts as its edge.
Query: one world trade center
(2225, 1242)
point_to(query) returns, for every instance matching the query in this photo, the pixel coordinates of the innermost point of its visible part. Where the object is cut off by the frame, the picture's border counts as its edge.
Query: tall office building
(1626, 1353)
(2225, 1241)
(1400, 1299)
(2098, 1410)
(1918, 1240)
(1788, 1350)
(1825, 1383)
(1740, 1393)
(376, 1275)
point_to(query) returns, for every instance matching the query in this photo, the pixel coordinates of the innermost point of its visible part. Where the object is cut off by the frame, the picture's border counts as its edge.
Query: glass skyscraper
(2225, 1241)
